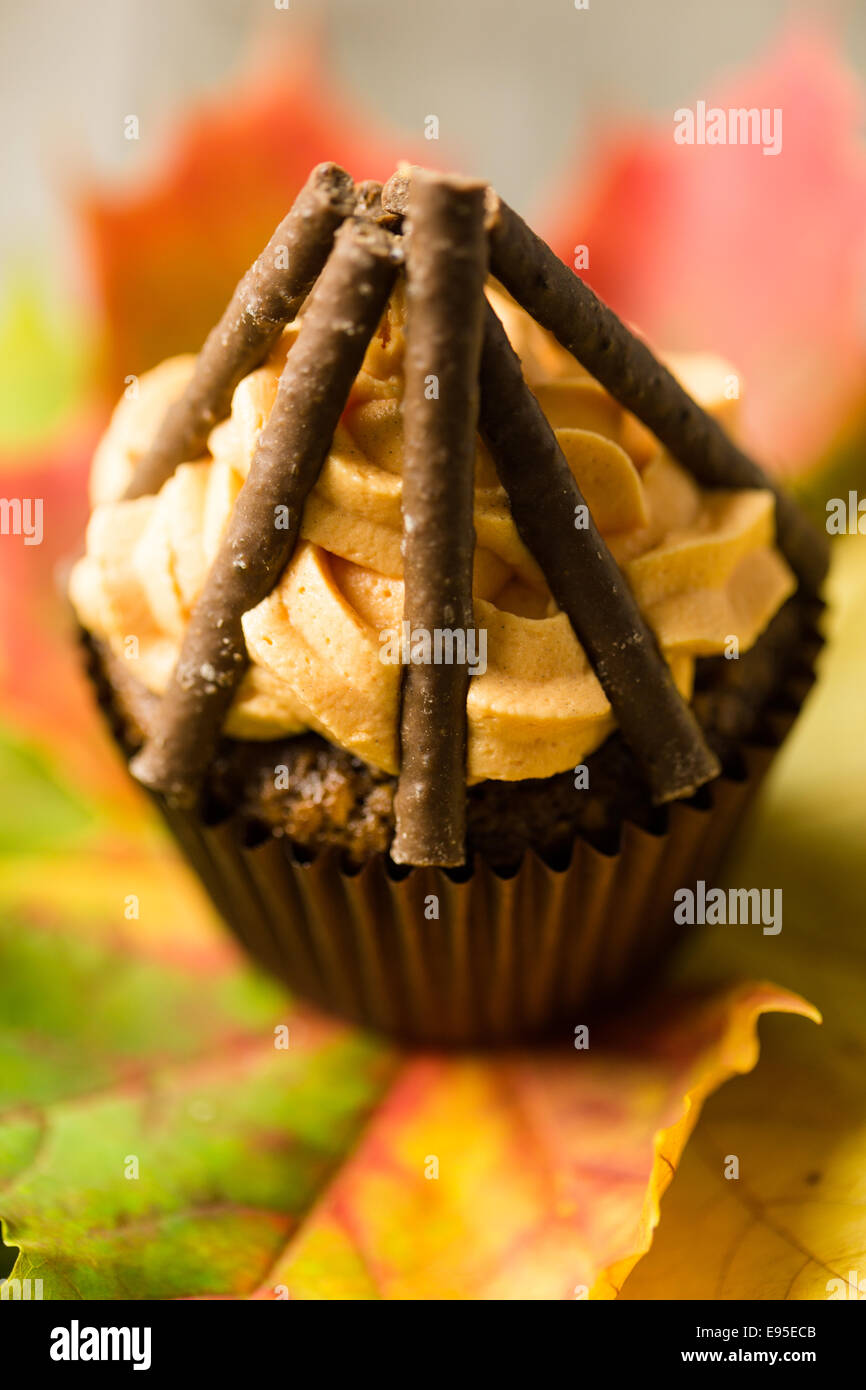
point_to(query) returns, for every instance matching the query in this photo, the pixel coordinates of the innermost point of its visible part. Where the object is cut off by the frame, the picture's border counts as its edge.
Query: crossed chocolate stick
(338, 253)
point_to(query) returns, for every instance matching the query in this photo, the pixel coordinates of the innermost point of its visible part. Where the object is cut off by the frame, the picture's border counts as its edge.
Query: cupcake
(468, 828)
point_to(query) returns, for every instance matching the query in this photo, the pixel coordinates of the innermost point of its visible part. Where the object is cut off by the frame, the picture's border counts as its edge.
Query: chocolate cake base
(326, 798)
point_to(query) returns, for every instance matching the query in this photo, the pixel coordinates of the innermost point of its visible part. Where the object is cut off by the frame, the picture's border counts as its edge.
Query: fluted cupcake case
(420, 943)
(526, 955)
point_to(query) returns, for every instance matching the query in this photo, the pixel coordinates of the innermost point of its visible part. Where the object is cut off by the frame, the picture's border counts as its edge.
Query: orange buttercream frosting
(702, 565)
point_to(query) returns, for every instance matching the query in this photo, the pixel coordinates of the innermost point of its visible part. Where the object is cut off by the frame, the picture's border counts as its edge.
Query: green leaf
(36, 810)
(46, 358)
(154, 1142)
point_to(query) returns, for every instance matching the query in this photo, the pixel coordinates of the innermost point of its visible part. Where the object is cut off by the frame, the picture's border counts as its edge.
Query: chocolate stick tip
(368, 204)
(396, 193)
(333, 180)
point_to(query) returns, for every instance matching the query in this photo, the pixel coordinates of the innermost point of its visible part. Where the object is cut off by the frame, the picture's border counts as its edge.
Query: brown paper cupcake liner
(506, 957)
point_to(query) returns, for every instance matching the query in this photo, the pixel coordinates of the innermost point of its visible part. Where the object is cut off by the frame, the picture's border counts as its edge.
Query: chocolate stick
(269, 295)
(585, 579)
(343, 313)
(368, 203)
(446, 270)
(561, 302)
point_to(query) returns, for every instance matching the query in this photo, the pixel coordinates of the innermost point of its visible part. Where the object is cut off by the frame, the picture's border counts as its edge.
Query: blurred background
(517, 84)
(127, 123)
(149, 149)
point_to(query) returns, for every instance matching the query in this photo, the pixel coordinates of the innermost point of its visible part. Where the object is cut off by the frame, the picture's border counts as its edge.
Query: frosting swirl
(702, 565)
